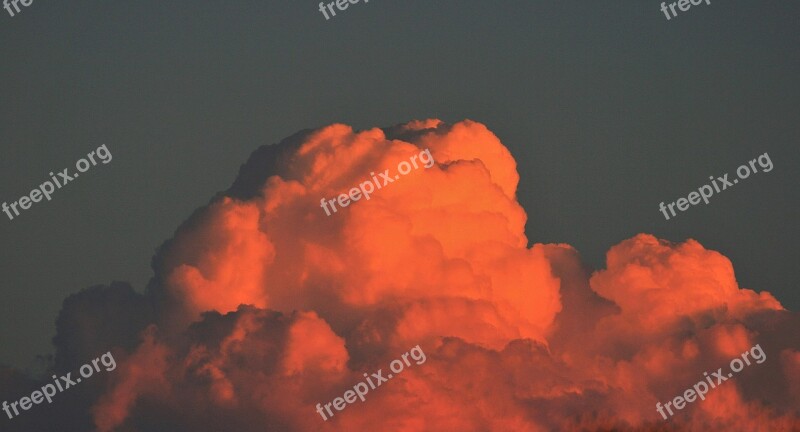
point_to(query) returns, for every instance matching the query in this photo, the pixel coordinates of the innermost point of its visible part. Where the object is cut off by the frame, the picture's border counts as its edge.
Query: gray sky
(607, 107)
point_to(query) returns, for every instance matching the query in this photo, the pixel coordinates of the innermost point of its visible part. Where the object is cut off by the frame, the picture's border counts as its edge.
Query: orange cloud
(518, 337)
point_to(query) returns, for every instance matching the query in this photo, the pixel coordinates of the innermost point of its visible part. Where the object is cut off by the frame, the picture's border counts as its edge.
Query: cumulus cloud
(262, 306)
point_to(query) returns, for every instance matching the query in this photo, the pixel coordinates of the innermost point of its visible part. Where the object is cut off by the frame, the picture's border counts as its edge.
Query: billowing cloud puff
(265, 304)
(654, 282)
(439, 243)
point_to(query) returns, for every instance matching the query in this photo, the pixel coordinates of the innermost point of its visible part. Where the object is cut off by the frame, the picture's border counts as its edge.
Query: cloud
(262, 306)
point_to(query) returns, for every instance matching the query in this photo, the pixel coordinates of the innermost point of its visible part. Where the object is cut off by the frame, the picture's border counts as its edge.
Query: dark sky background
(607, 107)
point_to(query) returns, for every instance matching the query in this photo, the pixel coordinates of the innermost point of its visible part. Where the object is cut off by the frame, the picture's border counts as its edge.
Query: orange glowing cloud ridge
(518, 338)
